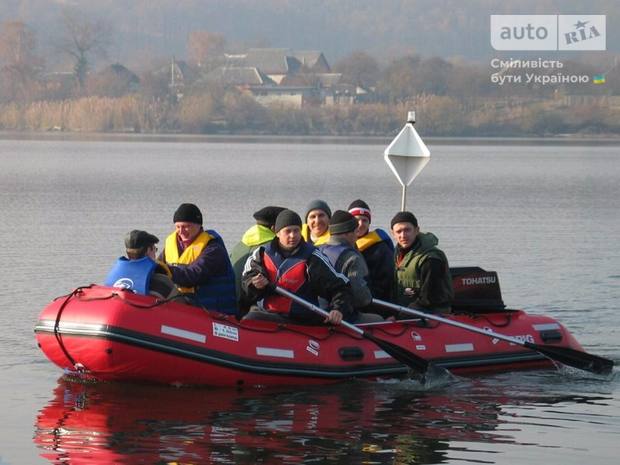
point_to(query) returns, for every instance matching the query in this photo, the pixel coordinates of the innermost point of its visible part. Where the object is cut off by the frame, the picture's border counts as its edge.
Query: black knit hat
(266, 216)
(342, 222)
(359, 208)
(318, 205)
(188, 213)
(287, 218)
(404, 217)
(136, 240)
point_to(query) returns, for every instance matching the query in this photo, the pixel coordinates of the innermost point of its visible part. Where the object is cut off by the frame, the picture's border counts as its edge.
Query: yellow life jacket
(368, 240)
(191, 252)
(257, 235)
(322, 239)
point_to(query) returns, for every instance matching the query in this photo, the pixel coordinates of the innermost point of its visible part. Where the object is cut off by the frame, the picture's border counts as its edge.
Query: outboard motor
(476, 290)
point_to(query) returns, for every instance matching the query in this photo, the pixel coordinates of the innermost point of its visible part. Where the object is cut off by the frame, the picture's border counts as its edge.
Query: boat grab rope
(404, 327)
(117, 295)
(508, 320)
(331, 330)
(57, 334)
(279, 327)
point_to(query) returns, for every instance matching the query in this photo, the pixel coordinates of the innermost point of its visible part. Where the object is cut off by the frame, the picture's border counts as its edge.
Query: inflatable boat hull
(112, 335)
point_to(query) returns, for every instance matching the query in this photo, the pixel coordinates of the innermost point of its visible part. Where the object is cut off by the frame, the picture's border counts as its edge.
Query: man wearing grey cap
(140, 272)
(315, 229)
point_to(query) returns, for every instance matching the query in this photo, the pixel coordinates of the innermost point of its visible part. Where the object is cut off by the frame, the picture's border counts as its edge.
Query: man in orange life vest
(290, 262)
(199, 262)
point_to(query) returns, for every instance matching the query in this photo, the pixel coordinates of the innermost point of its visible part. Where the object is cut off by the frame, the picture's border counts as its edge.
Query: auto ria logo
(548, 32)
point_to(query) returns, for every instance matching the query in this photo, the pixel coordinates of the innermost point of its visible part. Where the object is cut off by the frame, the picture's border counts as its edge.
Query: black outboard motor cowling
(476, 290)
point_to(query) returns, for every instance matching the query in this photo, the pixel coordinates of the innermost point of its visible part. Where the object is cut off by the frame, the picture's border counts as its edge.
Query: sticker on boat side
(226, 332)
(313, 347)
(524, 338)
(494, 341)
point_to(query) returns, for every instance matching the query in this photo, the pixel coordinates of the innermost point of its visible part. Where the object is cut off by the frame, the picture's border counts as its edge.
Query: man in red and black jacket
(293, 264)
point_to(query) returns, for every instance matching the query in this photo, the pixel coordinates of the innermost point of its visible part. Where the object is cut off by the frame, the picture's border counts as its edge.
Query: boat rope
(57, 334)
(404, 327)
(507, 321)
(330, 331)
(279, 327)
(115, 294)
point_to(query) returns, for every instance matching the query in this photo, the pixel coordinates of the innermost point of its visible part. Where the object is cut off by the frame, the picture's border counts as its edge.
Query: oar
(399, 353)
(565, 355)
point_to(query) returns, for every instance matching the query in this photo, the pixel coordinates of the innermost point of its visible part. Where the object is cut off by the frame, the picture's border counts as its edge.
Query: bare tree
(20, 66)
(203, 46)
(359, 68)
(83, 39)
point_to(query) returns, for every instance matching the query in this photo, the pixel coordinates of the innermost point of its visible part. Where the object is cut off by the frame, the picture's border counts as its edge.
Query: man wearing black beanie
(422, 272)
(199, 262)
(297, 266)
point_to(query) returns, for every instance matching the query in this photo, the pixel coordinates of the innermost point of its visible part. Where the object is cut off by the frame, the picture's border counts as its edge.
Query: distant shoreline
(569, 139)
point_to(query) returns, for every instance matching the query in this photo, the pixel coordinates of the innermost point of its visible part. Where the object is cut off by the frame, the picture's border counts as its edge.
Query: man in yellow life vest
(377, 249)
(315, 230)
(199, 262)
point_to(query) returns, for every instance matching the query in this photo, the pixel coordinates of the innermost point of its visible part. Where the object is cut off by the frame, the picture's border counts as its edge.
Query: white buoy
(407, 155)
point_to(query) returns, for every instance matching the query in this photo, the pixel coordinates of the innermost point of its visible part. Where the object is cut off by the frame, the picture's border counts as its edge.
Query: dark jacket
(254, 237)
(323, 281)
(211, 273)
(348, 261)
(380, 260)
(422, 276)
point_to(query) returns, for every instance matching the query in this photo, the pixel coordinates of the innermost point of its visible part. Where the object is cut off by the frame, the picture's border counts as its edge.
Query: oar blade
(399, 353)
(575, 358)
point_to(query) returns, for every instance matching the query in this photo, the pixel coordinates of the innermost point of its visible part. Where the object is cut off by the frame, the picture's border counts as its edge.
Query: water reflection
(369, 423)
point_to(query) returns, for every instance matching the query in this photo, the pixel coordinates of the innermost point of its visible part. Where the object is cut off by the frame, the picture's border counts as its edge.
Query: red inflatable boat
(110, 334)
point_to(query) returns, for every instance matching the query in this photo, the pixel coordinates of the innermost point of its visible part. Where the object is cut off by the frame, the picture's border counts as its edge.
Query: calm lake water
(545, 217)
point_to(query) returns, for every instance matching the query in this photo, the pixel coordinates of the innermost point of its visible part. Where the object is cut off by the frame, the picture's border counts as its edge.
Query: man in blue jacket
(139, 271)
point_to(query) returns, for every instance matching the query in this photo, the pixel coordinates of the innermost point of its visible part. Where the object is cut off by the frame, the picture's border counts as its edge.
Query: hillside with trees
(208, 67)
(144, 30)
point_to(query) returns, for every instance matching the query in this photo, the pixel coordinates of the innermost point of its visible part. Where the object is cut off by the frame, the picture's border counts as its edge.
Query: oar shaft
(315, 308)
(430, 316)
(403, 355)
